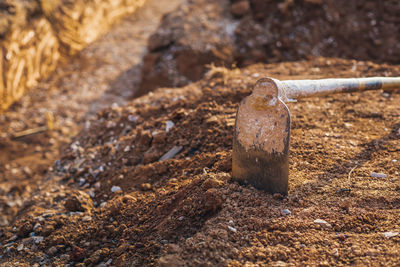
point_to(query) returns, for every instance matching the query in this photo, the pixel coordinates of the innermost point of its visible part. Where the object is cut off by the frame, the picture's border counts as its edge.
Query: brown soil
(244, 32)
(111, 196)
(187, 211)
(96, 78)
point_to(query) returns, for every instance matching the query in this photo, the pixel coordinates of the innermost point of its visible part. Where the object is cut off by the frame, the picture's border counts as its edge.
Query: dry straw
(30, 51)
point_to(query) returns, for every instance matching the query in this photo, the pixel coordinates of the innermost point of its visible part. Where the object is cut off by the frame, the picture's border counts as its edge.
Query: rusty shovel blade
(261, 139)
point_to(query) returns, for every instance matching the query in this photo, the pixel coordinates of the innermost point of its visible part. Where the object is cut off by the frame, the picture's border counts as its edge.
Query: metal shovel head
(261, 139)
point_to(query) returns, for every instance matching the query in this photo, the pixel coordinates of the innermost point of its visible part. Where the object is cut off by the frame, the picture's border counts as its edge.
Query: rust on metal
(261, 140)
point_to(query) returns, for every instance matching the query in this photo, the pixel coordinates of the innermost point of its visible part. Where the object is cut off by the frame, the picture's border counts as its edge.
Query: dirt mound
(245, 32)
(198, 33)
(150, 183)
(290, 30)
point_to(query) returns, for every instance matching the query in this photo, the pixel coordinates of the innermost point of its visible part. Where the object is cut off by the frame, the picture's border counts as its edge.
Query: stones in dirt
(378, 175)
(115, 189)
(390, 234)
(25, 228)
(192, 200)
(79, 201)
(322, 223)
(286, 212)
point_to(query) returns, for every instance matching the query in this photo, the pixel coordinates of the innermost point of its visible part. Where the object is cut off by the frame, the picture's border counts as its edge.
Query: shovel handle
(294, 89)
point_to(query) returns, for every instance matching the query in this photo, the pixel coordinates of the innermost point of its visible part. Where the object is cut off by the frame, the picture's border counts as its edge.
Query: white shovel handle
(294, 89)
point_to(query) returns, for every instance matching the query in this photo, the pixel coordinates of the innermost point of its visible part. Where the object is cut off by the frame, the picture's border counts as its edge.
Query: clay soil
(112, 197)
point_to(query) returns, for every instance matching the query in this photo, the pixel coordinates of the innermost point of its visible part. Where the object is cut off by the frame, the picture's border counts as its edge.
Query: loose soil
(97, 77)
(148, 181)
(110, 199)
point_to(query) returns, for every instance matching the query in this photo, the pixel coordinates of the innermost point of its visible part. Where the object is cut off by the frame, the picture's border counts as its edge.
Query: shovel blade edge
(263, 170)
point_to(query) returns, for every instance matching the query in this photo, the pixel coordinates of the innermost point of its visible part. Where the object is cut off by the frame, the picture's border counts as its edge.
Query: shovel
(262, 128)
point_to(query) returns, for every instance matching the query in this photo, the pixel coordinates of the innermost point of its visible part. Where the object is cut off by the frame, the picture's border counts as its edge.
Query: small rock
(133, 118)
(81, 181)
(278, 264)
(115, 188)
(169, 125)
(378, 175)
(27, 170)
(87, 218)
(38, 239)
(390, 234)
(36, 226)
(322, 222)
(20, 247)
(232, 229)
(335, 252)
(127, 149)
(240, 8)
(51, 251)
(286, 212)
(145, 186)
(342, 190)
(171, 153)
(25, 229)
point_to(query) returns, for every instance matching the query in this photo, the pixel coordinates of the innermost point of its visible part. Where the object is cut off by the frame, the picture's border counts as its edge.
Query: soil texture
(244, 32)
(149, 183)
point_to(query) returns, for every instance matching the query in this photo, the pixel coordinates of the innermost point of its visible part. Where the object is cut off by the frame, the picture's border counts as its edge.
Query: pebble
(132, 118)
(378, 175)
(322, 222)
(232, 229)
(87, 218)
(81, 181)
(286, 212)
(171, 153)
(115, 189)
(38, 239)
(169, 125)
(390, 234)
(127, 149)
(342, 190)
(335, 252)
(145, 186)
(20, 247)
(52, 250)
